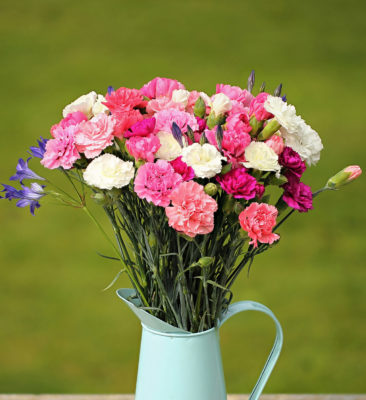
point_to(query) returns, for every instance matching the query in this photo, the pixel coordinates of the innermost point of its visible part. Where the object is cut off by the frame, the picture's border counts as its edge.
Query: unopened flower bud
(238, 208)
(272, 127)
(206, 261)
(214, 120)
(347, 175)
(210, 189)
(255, 124)
(199, 108)
(99, 198)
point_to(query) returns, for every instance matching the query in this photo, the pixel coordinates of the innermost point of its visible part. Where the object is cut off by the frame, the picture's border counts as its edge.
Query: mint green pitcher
(178, 365)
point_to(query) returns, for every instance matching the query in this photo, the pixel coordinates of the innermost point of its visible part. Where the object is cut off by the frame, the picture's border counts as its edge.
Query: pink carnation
(155, 182)
(71, 119)
(124, 99)
(193, 210)
(143, 148)
(160, 87)
(165, 119)
(234, 144)
(238, 108)
(124, 120)
(181, 168)
(61, 151)
(258, 220)
(239, 184)
(257, 107)
(141, 128)
(93, 136)
(235, 93)
(162, 103)
(276, 143)
(238, 122)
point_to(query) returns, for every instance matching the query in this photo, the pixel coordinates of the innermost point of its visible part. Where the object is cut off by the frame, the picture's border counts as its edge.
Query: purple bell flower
(39, 151)
(27, 196)
(24, 172)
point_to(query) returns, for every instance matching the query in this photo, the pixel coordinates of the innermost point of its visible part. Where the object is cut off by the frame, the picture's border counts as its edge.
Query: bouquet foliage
(184, 179)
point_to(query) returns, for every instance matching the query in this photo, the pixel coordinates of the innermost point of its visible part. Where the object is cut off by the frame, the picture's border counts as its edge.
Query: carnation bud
(272, 127)
(263, 87)
(206, 261)
(199, 108)
(278, 90)
(238, 208)
(100, 199)
(203, 139)
(347, 175)
(210, 189)
(251, 81)
(255, 124)
(225, 169)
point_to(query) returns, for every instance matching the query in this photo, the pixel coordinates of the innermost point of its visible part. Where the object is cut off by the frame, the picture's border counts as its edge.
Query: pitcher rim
(179, 334)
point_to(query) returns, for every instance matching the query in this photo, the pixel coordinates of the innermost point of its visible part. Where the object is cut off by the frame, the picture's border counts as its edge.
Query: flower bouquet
(194, 186)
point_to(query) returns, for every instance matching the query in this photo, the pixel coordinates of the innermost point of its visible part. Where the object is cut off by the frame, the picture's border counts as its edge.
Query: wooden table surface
(230, 397)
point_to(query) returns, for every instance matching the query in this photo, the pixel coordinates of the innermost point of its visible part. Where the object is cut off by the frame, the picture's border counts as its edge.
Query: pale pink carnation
(155, 182)
(61, 151)
(160, 87)
(162, 103)
(276, 143)
(95, 135)
(192, 210)
(238, 108)
(165, 119)
(257, 107)
(258, 220)
(235, 93)
(71, 119)
(143, 147)
(238, 122)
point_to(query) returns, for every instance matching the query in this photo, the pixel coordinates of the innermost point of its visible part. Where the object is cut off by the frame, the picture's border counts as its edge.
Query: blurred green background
(59, 333)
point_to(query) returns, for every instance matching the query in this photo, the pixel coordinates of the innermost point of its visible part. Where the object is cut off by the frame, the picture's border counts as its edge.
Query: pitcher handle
(276, 349)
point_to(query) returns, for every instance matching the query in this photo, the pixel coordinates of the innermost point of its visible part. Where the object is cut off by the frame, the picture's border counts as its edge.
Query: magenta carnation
(160, 87)
(143, 148)
(297, 195)
(155, 182)
(181, 168)
(258, 220)
(292, 162)
(239, 184)
(257, 107)
(165, 119)
(141, 128)
(61, 151)
(93, 136)
(192, 210)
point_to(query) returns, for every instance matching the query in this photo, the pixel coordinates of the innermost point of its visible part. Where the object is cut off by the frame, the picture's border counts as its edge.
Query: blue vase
(178, 365)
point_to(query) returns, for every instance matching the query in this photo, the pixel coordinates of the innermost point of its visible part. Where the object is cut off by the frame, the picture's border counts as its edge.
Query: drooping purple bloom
(27, 196)
(24, 172)
(110, 89)
(38, 151)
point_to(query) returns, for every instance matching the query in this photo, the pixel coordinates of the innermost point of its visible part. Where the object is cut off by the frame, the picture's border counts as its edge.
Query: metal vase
(178, 365)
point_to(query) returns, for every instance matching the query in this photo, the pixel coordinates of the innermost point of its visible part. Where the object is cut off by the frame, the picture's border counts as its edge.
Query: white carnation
(170, 149)
(204, 159)
(262, 157)
(297, 134)
(180, 96)
(221, 104)
(284, 113)
(304, 141)
(84, 104)
(108, 171)
(98, 107)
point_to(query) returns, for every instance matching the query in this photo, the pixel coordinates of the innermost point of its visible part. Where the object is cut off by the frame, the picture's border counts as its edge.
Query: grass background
(59, 332)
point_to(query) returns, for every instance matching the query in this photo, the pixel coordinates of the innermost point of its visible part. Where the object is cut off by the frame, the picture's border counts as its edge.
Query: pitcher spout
(131, 299)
